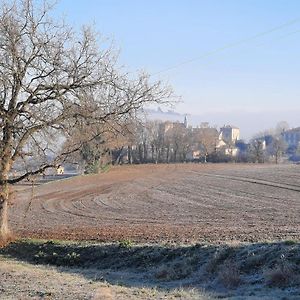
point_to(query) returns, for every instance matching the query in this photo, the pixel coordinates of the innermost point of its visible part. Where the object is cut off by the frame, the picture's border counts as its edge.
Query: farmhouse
(60, 170)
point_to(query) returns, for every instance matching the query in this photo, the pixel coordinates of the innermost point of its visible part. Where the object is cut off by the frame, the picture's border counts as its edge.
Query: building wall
(230, 134)
(292, 137)
(235, 134)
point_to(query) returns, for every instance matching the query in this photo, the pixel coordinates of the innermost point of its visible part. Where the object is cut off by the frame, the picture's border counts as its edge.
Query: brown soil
(154, 203)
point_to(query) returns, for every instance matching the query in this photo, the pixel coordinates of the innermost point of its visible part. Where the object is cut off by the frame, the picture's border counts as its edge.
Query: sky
(231, 61)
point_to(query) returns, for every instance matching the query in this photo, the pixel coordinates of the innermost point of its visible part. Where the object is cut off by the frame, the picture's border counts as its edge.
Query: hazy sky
(247, 76)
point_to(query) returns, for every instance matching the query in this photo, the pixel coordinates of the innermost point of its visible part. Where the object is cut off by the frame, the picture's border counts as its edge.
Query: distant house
(169, 126)
(194, 154)
(228, 137)
(60, 170)
(233, 151)
(220, 144)
(292, 136)
(229, 134)
(227, 149)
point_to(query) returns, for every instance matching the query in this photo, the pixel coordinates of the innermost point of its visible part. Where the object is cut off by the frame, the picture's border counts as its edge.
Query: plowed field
(152, 203)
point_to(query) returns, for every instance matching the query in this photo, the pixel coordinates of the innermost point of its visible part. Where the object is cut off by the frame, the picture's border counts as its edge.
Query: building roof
(229, 126)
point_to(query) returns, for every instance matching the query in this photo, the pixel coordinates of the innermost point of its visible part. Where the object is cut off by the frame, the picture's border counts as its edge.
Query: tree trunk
(156, 155)
(276, 157)
(129, 149)
(119, 156)
(4, 196)
(145, 152)
(175, 155)
(141, 159)
(152, 153)
(168, 154)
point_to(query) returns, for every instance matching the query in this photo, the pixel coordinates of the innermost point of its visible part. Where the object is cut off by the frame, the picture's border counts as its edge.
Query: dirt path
(182, 202)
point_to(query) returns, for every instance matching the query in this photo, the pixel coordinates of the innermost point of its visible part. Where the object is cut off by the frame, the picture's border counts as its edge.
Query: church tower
(185, 122)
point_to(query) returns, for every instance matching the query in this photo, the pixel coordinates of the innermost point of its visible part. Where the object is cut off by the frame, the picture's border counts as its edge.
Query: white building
(229, 134)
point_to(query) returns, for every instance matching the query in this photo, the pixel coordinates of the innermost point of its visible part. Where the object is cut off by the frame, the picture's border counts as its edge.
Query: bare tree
(281, 127)
(257, 149)
(53, 79)
(277, 148)
(177, 134)
(143, 150)
(206, 138)
(156, 139)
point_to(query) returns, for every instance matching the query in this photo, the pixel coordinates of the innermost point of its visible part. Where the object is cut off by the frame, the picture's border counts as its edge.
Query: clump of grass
(40, 255)
(218, 258)
(282, 275)
(9, 238)
(126, 244)
(229, 275)
(105, 168)
(179, 270)
(290, 242)
(70, 259)
(253, 262)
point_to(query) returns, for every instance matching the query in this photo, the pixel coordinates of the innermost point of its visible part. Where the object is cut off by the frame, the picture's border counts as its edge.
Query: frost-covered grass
(21, 280)
(155, 271)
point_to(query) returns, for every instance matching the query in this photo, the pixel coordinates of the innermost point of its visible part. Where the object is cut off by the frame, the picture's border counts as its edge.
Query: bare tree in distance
(177, 135)
(275, 132)
(52, 80)
(207, 138)
(257, 149)
(281, 127)
(269, 142)
(277, 148)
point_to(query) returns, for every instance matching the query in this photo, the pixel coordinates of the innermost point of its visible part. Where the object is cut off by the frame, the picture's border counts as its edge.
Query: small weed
(290, 242)
(105, 168)
(43, 294)
(70, 259)
(126, 244)
(40, 255)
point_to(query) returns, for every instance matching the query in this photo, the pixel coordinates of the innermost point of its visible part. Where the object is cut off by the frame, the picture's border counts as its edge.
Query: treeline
(169, 142)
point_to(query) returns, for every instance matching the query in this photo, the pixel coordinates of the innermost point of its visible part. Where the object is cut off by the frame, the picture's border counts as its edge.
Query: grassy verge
(244, 270)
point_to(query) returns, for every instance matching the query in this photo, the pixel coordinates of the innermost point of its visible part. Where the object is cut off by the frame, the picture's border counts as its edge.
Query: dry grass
(150, 271)
(282, 275)
(229, 275)
(220, 255)
(9, 238)
(24, 281)
(179, 270)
